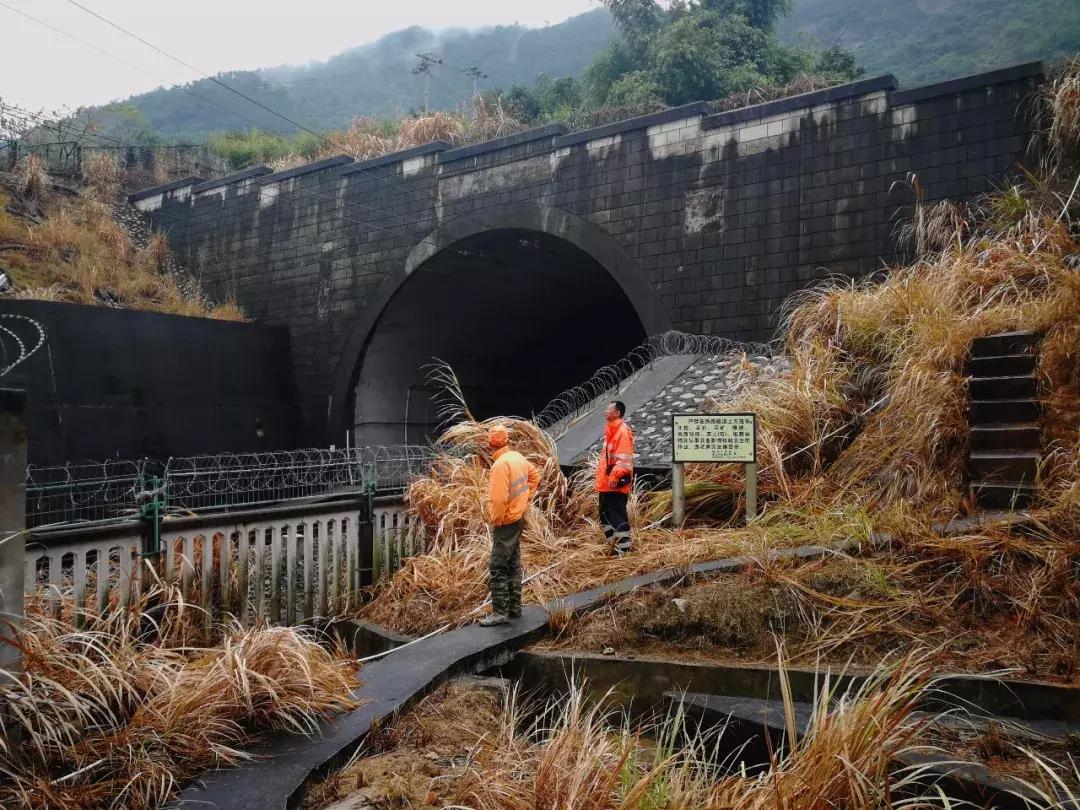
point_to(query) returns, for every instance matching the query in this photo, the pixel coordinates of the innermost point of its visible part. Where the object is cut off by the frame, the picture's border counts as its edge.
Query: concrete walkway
(285, 763)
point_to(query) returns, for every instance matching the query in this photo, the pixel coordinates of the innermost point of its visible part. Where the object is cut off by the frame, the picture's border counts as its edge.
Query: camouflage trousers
(505, 569)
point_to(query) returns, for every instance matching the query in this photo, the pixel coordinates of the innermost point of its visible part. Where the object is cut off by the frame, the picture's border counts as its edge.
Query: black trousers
(614, 519)
(505, 569)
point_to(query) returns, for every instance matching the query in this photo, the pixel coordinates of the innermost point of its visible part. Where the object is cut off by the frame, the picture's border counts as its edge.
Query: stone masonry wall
(725, 215)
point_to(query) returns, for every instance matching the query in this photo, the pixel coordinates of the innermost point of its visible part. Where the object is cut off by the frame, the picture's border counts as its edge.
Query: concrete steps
(1005, 365)
(1003, 410)
(989, 389)
(992, 437)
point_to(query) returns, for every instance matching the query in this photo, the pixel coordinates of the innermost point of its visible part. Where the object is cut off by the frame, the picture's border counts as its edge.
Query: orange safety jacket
(616, 458)
(513, 483)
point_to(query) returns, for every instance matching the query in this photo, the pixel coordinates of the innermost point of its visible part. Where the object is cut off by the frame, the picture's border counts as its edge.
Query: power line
(233, 90)
(79, 40)
(191, 67)
(384, 179)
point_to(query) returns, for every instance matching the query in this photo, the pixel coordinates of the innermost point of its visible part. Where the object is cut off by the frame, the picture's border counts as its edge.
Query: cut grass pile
(418, 760)
(58, 244)
(125, 713)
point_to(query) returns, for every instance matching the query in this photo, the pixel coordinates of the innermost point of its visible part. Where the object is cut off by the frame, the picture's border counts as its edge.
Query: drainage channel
(646, 683)
(739, 710)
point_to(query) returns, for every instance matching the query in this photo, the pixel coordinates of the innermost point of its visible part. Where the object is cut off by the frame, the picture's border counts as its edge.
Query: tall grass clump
(59, 246)
(847, 755)
(366, 138)
(125, 713)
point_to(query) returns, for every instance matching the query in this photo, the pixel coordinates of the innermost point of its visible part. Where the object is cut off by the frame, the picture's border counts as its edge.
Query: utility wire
(242, 95)
(406, 236)
(98, 49)
(194, 69)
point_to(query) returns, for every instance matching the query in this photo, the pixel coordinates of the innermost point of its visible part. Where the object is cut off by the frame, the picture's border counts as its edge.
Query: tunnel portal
(519, 315)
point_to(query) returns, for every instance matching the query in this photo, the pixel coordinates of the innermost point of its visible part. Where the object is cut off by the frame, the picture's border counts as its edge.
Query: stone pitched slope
(705, 383)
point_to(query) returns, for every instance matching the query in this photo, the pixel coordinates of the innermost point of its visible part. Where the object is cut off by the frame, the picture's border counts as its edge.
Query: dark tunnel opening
(519, 315)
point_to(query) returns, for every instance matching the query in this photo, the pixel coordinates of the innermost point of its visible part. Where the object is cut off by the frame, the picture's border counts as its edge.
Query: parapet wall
(723, 215)
(112, 383)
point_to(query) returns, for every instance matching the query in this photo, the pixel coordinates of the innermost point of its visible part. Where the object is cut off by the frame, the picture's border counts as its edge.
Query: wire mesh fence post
(153, 501)
(12, 523)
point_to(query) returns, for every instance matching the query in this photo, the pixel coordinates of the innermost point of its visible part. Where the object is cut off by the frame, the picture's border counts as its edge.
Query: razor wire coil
(576, 400)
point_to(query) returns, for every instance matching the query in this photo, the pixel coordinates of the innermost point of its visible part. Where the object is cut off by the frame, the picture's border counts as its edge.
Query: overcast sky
(43, 69)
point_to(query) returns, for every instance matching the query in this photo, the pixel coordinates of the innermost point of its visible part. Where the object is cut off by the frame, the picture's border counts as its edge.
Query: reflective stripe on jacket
(513, 483)
(616, 458)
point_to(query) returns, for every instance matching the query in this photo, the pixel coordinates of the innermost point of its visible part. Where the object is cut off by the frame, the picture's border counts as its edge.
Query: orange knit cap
(498, 437)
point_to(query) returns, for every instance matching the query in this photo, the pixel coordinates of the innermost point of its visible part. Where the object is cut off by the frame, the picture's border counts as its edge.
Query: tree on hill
(700, 49)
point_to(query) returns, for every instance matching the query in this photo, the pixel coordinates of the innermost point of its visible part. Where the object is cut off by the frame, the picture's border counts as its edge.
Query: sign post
(713, 438)
(678, 494)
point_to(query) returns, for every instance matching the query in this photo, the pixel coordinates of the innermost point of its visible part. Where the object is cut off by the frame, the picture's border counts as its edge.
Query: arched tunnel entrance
(520, 315)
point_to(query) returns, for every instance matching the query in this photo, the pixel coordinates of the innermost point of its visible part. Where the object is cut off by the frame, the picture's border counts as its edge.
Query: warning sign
(714, 437)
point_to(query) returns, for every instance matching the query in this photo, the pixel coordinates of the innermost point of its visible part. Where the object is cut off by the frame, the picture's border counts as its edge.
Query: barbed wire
(93, 491)
(13, 346)
(574, 401)
(84, 491)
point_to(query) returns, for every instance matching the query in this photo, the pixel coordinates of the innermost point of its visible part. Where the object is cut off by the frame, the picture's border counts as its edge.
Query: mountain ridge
(919, 41)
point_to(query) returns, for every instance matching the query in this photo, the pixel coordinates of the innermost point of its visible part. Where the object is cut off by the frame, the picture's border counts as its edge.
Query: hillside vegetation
(918, 40)
(79, 245)
(376, 79)
(932, 40)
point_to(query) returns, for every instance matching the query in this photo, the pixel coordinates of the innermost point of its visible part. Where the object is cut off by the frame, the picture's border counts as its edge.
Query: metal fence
(100, 491)
(69, 157)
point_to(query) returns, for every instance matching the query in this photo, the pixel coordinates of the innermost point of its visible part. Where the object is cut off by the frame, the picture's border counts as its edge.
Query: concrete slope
(673, 384)
(575, 437)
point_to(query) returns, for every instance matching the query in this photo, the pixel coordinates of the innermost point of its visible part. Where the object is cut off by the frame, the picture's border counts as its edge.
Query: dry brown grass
(563, 549)
(464, 748)
(125, 713)
(417, 760)
(995, 597)
(367, 138)
(876, 402)
(579, 755)
(1061, 100)
(875, 405)
(60, 247)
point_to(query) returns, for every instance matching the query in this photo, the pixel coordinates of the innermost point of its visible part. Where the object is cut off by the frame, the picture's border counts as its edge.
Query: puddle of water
(360, 639)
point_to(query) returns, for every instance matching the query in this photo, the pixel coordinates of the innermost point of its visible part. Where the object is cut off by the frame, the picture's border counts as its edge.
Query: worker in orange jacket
(615, 477)
(513, 484)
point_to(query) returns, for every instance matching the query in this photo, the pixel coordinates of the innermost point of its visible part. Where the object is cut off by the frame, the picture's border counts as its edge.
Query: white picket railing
(279, 565)
(259, 565)
(395, 536)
